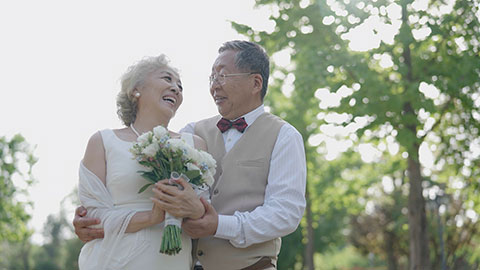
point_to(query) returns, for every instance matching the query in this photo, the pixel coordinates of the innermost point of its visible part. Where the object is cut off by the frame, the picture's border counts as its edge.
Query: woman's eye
(167, 78)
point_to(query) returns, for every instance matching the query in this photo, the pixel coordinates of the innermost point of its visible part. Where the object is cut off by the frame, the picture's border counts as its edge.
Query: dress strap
(188, 138)
(108, 137)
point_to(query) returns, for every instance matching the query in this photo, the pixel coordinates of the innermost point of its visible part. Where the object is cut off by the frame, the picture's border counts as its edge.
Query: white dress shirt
(284, 202)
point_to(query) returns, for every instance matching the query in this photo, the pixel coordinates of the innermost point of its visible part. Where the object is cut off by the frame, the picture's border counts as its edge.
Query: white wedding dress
(114, 206)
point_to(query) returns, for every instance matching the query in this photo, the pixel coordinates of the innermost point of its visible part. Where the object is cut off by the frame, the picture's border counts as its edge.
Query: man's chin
(220, 111)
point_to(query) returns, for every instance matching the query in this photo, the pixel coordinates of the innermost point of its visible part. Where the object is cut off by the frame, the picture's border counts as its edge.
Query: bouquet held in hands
(169, 158)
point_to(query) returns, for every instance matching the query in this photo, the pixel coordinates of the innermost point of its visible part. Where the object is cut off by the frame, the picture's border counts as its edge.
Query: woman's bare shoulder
(94, 158)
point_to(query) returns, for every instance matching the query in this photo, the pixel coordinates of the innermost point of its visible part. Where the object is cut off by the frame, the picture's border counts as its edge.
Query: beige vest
(239, 185)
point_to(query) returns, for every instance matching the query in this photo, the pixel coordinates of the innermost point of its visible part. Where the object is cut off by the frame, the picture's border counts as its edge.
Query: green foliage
(59, 251)
(16, 255)
(427, 96)
(72, 249)
(292, 247)
(346, 258)
(16, 161)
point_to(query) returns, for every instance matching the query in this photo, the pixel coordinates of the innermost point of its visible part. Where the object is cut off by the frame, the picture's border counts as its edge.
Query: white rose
(151, 150)
(193, 154)
(144, 138)
(160, 132)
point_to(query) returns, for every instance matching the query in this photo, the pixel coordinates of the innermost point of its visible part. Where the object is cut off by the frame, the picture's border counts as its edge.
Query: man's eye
(167, 78)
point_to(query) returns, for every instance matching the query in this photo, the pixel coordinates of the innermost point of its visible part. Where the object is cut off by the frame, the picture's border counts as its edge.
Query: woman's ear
(136, 93)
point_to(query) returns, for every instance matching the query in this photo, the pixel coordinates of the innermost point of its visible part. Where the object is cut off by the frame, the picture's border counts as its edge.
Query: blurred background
(385, 93)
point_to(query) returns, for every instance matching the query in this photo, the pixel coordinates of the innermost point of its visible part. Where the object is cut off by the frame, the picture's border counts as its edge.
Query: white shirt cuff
(227, 227)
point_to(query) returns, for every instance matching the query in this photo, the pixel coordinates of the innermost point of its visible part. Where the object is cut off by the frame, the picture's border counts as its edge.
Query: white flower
(208, 178)
(207, 160)
(192, 153)
(160, 132)
(176, 144)
(155, 140)
(151, 150)
(192, 167)
(144, 138)
(136, 151)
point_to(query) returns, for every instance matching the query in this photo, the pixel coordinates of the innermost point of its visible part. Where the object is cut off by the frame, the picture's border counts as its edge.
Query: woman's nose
(175, 88)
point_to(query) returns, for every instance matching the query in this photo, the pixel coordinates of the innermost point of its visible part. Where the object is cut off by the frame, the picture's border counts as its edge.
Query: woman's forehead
(168, 71)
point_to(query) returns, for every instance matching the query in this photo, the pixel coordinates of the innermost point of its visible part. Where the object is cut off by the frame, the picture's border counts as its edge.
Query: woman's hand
(145, 219)
(179, 203)
(157, 214)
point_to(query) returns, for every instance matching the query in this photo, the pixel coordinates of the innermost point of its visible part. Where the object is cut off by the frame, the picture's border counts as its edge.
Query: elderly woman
(151, 92)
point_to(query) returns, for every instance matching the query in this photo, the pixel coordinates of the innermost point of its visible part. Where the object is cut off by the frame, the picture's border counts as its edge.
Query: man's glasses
(220, 78)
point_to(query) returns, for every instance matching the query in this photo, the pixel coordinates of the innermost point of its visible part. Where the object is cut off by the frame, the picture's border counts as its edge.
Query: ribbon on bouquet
(171, 239)
(169, 219)
(201, 191)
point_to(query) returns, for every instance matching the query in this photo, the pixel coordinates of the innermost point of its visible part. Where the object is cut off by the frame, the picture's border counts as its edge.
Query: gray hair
(250, 57)
(127, 104)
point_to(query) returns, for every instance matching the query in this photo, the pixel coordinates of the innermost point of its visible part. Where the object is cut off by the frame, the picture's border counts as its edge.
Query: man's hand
(81, 223)
(182, 203)
(204, 226)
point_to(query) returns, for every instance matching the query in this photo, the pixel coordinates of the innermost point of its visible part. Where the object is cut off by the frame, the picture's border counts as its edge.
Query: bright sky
(61, 62)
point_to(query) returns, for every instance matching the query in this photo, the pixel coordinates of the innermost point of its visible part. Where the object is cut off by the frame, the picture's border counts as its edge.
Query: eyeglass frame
(214, 77)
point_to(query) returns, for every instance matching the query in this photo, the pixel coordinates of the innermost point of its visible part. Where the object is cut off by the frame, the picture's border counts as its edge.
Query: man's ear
(257, 83)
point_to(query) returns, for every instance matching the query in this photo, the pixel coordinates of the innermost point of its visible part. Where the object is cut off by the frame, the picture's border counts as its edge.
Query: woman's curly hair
(127, 103)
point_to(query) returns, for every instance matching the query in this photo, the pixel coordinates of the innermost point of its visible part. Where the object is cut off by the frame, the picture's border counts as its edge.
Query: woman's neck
(143, 125)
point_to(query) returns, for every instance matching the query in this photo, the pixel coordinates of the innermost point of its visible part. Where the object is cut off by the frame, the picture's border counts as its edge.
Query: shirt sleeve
(189, 128)
(284, 202)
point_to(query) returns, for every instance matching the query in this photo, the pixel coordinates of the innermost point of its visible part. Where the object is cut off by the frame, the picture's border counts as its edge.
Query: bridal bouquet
(166, 158)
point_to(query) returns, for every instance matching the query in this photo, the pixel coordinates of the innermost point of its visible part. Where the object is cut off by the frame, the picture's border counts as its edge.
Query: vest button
(200, 253)
(215, 192)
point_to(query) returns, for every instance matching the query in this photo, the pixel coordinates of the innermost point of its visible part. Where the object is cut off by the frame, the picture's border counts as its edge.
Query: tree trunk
(417, 219)
(25, 253)
(309, 250)
(389, 248)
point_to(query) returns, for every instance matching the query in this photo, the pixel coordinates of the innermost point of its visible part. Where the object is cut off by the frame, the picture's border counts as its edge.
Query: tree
(16, 161)
(58, 251)
(62, 246)
(414, 89)
(16, 255)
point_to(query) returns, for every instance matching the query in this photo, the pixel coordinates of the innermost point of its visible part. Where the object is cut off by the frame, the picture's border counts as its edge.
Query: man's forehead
(224, 58)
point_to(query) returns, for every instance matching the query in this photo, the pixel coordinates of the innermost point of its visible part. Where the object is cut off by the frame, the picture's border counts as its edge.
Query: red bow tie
(225, 124)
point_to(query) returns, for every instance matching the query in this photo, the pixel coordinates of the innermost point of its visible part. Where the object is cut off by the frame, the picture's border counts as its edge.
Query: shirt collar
(251, 116)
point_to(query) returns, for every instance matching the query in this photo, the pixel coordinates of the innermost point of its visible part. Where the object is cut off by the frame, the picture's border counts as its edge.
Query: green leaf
(150, 176)
(192, 174)
(144, 187)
